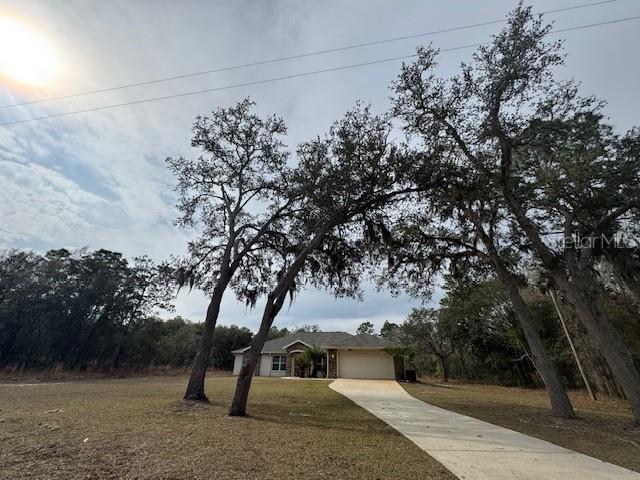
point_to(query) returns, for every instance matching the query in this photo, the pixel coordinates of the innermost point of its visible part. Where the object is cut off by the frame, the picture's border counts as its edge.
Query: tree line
(96, 311)
(503, 168)
(475, 336)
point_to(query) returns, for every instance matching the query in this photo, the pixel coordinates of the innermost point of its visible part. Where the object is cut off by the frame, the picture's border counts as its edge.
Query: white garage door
(365, 364)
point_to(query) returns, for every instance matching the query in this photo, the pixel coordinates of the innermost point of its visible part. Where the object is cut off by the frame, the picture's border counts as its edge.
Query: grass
(603, 430)
(136, 428)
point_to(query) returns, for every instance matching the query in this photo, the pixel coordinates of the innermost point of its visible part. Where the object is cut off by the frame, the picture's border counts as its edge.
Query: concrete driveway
(470, 448)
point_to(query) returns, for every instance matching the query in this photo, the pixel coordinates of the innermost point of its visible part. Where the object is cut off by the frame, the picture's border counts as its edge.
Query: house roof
(324, 340)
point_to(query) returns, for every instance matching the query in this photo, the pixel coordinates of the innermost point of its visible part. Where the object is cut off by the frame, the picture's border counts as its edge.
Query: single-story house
(347, 356)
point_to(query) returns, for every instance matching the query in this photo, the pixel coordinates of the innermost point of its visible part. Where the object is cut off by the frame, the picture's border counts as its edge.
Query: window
(279, 362)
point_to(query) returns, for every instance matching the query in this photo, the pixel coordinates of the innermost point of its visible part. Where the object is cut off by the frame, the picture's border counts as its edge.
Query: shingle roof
(324, 340)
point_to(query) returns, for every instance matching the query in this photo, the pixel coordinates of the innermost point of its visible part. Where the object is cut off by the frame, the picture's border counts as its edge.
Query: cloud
(99, 179)
(38, 203)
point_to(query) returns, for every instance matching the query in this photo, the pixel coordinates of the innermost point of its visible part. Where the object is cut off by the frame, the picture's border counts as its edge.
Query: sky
(99, 180)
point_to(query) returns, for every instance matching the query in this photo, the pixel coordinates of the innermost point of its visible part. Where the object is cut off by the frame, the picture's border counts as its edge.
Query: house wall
(365, 364)
(355, 363)
(240, 359)
(237, 363)
(265, 365)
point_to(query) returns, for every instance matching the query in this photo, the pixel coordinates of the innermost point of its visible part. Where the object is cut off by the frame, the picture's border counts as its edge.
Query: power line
(289, 57)
(285, 77)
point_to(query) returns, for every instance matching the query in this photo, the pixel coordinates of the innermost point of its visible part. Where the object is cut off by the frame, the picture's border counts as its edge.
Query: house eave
(240, 350)
(324, 347)
(263, 352)
(343, 347)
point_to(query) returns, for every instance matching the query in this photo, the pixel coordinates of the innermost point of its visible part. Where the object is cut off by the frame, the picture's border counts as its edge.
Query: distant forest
(95, 310)
(475, 336)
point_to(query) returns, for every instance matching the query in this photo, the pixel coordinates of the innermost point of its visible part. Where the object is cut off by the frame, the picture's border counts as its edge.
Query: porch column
(332, 363)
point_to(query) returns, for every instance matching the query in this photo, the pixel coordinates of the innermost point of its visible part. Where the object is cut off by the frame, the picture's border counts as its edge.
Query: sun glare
(26, 57)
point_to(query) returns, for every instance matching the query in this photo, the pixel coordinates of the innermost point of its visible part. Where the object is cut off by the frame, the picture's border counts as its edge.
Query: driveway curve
(472, 449)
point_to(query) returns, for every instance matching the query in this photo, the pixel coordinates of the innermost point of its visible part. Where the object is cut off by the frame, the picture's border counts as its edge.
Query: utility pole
(554, 298)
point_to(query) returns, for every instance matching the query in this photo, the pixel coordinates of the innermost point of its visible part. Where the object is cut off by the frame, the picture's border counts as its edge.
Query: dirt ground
(137, 428)
(604, 429)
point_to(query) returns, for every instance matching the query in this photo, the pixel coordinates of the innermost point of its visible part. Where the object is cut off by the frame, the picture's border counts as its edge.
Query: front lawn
(137, 428)
(603, 430)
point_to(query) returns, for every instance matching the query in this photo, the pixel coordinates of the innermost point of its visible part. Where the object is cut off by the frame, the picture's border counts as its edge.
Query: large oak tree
(234, 195)
(344, 179)
(495, 114)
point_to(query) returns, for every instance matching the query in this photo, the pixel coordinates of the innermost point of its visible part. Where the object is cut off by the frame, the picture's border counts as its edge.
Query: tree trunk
(609, 340)
(591, 315)
(195, 387)
(274, 303)
(595, 363)
(243, 385)
(463, 364)
(560, 403)
(585, 302)
(574, 352)
(626, 267)
(445, 373)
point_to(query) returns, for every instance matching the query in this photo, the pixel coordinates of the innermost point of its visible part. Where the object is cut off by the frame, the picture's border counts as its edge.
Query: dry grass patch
(136, 428)
(603, 430)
